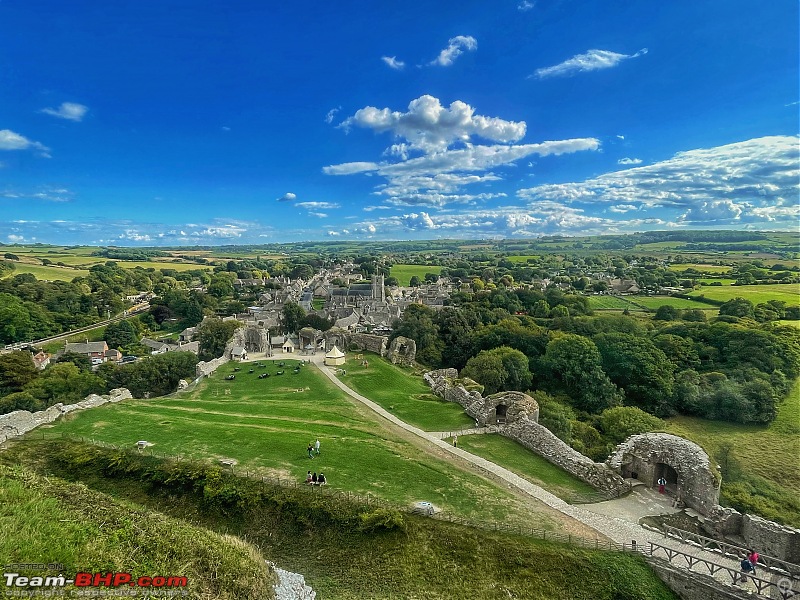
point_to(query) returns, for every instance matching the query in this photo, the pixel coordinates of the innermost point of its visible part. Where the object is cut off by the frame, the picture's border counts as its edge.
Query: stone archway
(670, 474)
(500, 414)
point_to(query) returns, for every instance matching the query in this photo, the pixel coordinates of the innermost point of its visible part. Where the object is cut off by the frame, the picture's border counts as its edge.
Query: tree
(414, 282)
(500, 369)
(621, 422)
(81, 361)
(417, 323)
(738, 307)
(120, 334)
(665, 312)
(213, 335)
(16, 371)
(65, 382)
(316, 322)
(576, 362)
(695, 315)
(156, 375)
(221, 285)
(554, 415)
(635, 364)
(292, 317)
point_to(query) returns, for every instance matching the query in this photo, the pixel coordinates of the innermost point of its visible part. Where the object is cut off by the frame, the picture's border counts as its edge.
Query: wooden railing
(777, 587)
(774, 565)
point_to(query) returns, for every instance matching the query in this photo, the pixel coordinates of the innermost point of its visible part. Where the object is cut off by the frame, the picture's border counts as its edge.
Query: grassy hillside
(348, 551)
(47, 520)
(760, 464)
(404, 273)
(757, 294)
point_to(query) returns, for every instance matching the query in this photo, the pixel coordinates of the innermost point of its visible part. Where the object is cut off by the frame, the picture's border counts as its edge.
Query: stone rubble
(291, 586)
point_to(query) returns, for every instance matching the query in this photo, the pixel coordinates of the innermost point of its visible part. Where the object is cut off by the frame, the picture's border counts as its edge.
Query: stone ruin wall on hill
(20, 422)
(522, 426)
(204, 368)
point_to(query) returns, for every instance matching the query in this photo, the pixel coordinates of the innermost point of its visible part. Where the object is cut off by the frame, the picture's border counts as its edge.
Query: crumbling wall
(366, 342)
(21, 422)
(521, 425)
(641, 454)
(402, 351)
(208, 367)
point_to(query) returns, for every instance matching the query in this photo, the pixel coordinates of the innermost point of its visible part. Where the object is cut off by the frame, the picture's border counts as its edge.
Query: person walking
(455, 441)
(310, 450)
(662, 484)
(316, 446)
(752, 556)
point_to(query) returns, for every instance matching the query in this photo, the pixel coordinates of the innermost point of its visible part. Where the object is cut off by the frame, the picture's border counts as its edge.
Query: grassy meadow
(757, 294)
(404, 273)
(266, 425)
(404, 394)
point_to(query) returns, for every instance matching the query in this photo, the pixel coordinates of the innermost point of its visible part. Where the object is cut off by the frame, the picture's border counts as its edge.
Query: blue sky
(181, 123)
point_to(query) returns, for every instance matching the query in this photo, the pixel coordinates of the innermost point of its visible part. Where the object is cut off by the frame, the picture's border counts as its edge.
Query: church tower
(378, 291)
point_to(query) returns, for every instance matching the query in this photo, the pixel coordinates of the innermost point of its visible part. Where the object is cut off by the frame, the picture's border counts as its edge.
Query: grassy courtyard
(404, 394)
(266, 425)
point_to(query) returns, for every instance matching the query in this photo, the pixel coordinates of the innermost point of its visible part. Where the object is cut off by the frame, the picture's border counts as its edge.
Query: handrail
(784, 586)
(770, 563)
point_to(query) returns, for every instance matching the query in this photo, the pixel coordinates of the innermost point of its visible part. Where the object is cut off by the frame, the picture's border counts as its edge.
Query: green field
(49, 272)
(757, 294)
(710, 280)
(653, 302)
(764, 461)
(703, 268)
(266, 425)
(404, 273)
(403, 394)
(612, 303)
(522, 258)
(525, 463)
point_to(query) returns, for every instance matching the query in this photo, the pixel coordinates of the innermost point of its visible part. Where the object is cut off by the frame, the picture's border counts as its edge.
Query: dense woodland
(731, 368)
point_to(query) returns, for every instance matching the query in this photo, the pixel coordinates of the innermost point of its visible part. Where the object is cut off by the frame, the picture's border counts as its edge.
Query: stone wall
(521, 426)
(208, 367)
(402, 351)
(645, 455)
(344, 340)
(767, 537)
(20, 422)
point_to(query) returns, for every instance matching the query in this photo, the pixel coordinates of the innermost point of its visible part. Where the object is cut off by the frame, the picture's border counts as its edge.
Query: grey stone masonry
(519, 423)
(650, 456)
(21, 422)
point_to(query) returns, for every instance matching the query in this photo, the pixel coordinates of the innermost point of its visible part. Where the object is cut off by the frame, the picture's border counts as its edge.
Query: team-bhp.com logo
(96, 580)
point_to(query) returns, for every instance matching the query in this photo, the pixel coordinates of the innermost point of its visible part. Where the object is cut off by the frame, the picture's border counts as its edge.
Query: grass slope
(526, 464)
(404, 394)
(414, 558)
(762, 471)
(47, 520)
(266, 425)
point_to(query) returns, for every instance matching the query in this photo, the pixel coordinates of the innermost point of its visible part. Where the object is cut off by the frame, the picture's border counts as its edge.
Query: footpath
(614, 519)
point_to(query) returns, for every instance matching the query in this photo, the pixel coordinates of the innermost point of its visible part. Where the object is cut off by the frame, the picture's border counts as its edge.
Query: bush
(381, 519)
(621, 422)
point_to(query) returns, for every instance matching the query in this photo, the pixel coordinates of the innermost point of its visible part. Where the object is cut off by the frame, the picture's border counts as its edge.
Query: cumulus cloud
(455, 48)
(428, 126)
(722, 185)
(629, 161)
(10, 140)
(525, 6)
(71, 111)
(419, 221)
(393, 63)
(288, 197)
(592, 60)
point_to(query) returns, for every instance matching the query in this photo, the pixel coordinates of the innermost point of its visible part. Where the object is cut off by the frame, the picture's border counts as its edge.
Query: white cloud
(393, 63)
(525, 6)
(287, 197)
(332, 114)
(623, 208)
(10, 140)
(455, 47)
(317, 205)
(134, 236)
(15, 239)
(48, 194)
(590, 61)
(419, 221)
(428, 126)
(726, 184)
(71, 111)
(319, 215)
(629, 161)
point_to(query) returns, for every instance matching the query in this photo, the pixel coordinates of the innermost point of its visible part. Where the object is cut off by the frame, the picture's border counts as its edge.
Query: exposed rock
(402, 351)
